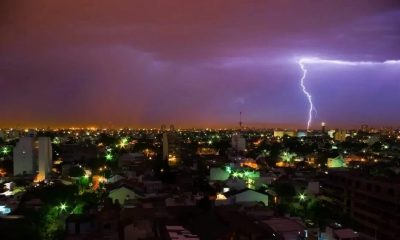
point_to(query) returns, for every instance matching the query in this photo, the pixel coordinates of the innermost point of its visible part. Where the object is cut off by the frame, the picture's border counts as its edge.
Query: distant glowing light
(4, 210)
(109, 156)
(221, 197)
(123, 143)
(56, 140)
(63, 207)
(304, 61)
(7, 193)
(302, 197)
(5, 150)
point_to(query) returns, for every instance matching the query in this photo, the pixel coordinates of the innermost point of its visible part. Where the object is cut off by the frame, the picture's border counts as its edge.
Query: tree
(284, 190)
(318, 212)
(288, 156)
(76, 172)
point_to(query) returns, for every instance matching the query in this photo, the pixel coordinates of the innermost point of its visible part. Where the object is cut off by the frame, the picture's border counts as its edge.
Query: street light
(63, 207)
(5, 150)
(109, 157)
(302, 197)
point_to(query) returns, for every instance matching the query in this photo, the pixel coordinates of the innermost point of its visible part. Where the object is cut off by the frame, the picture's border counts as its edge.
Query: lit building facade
(171, 148)
(45, 157)
(238, 142)
(23, 156)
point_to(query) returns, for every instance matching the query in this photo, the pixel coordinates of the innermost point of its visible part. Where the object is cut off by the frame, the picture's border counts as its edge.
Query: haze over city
(199, 119)
(197, 63)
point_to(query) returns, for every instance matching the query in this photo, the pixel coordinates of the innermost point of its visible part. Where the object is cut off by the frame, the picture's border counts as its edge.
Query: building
(323, 127)
(337, 162)
(45, 158)
(23, 157)
(218, 174)
(286, 228)
(372, 203)
(281, 133)
(238, 142)
(242, 197)
(73, 153)
(171, 148)
(122, 194)
(338, 233)
(340, 135)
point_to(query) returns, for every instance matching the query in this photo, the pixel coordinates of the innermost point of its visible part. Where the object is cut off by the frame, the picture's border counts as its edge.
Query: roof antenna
(240, 121)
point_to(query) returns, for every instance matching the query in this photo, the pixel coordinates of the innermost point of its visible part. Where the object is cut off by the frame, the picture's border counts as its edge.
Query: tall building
(23, 156)
(323, 127)
(45, 158)
(340, 135)
(371, 202)
(165, 145)
(238, 142)
(171, 148)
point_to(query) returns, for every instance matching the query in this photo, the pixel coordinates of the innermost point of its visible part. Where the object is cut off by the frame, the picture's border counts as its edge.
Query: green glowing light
(5, 150)
(302, 197)
(287, 156)
(63, 207)
(85, 180)
(109, 156)
(78, 209)
(56, 140)
(228, 169)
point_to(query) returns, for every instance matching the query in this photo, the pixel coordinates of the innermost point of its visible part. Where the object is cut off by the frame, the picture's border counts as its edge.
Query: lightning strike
(304, 61)
(308, 95)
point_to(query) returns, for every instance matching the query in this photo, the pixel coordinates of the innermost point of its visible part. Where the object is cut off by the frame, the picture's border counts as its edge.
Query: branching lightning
(304, 61)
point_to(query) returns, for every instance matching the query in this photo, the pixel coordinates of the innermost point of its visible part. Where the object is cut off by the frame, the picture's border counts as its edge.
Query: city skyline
(143, 64)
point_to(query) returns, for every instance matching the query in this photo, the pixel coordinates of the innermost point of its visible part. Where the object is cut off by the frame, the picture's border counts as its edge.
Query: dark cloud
(143, 63)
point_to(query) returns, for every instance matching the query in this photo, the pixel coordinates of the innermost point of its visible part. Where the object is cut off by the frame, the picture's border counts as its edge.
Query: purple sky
(196, 63)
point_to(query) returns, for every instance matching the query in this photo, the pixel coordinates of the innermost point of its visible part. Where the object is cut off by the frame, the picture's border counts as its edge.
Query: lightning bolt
(308, 95)
(304, 61)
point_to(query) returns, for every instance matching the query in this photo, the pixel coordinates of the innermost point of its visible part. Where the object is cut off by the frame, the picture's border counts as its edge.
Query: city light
(302, 197)
(123, 143)
(5, 150)
(4, 210)
(63, 207)
(109, 156)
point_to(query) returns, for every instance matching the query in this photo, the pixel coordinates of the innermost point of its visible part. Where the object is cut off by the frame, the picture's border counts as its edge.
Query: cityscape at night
(211, 120)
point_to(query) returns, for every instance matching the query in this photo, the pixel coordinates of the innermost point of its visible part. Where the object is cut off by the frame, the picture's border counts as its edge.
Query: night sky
(197, 63)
